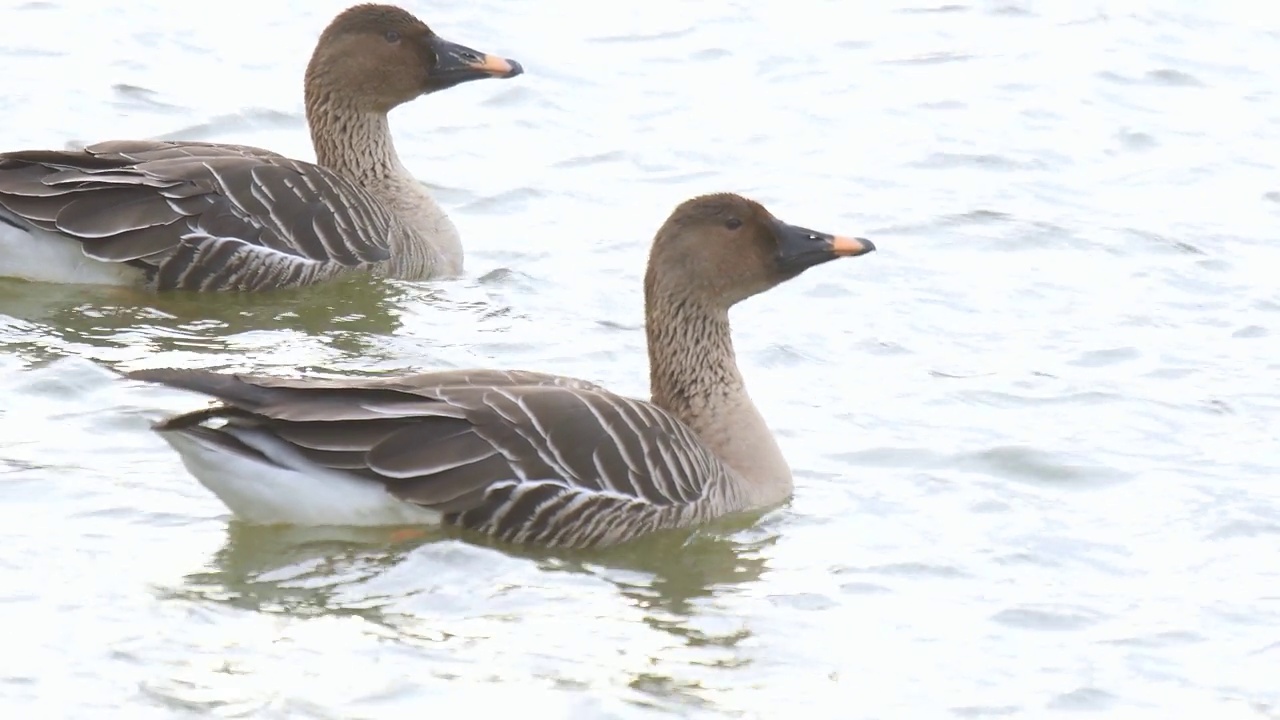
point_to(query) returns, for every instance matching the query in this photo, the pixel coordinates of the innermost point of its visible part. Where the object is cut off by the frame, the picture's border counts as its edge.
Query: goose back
(200, 216)
(520, 456)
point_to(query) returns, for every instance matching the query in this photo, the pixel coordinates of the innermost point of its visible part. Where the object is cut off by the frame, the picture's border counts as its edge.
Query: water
(1034, 435)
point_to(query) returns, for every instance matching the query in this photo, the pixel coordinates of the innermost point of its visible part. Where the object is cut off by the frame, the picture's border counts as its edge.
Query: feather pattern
(520, 456)
(201, 216)
(179, 215)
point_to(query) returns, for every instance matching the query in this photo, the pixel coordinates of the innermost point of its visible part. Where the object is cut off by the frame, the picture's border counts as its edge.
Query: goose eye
(392, 36)
(733, 223)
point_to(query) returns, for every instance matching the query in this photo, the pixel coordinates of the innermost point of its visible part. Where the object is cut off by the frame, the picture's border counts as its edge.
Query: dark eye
(392, 36)
(733, 223)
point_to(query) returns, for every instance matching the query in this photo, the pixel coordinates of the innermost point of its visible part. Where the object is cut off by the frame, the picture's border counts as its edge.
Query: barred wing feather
(198, 216)
(524, 457)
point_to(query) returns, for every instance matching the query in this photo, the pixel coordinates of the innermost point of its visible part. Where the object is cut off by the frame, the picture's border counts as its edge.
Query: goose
(523, 456)
(176, 215)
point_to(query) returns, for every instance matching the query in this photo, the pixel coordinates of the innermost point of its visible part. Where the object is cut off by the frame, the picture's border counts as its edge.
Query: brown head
(380, 56)
(724, 248)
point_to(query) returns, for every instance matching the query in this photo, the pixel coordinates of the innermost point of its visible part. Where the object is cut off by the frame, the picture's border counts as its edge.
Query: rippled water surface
(1035, 435)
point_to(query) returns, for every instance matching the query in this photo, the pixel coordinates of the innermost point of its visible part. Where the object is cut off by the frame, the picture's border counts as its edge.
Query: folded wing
(524, 457)
(198, 216)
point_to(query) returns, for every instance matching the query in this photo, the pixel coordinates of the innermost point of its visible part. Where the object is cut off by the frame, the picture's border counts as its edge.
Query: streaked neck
(693, 373)
(358, 145)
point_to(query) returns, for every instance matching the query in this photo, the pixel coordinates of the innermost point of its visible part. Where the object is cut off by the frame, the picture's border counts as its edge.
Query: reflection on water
(441, 590)
(301, 571)
(353, 318)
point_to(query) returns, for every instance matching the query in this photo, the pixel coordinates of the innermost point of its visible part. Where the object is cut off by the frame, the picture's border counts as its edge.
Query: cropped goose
(523, 456)
(207, 216)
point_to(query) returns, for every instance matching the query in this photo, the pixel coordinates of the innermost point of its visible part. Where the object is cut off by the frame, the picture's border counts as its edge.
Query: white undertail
(41, 256)
(293, 492)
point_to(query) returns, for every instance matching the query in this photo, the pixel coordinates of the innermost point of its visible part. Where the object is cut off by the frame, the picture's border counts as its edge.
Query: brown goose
(526, 456)
(208, 216)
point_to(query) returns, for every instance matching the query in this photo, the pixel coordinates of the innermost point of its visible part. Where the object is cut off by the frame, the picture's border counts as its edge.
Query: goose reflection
(355, 317)
(89, 313)
(310, 571)
(650, 614)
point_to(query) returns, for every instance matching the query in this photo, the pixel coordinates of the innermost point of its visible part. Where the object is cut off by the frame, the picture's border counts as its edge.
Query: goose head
(724, 248)
(381, 56)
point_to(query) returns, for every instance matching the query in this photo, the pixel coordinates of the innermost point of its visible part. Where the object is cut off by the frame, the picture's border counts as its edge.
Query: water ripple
(1033, 436)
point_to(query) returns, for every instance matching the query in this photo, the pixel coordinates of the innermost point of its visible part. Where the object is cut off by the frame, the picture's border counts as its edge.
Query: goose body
(522, 456)
(175, 215)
